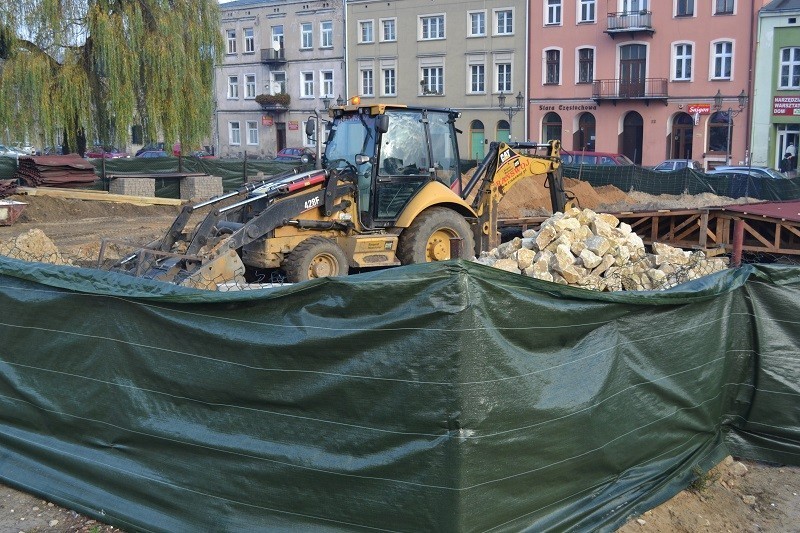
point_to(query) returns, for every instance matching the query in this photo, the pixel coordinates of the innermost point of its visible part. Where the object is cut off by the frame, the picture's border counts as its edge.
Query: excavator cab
(394, 151)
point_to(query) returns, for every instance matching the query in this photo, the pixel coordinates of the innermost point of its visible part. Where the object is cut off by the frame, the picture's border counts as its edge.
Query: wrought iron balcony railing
(269, 55)
(642, 89)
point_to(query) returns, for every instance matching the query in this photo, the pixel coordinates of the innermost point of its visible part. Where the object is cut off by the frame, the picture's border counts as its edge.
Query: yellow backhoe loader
(388, 192)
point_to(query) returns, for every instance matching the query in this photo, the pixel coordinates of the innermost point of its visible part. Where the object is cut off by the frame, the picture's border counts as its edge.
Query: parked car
(676, 164)
(296, 155)
(107, 152)
(569, 157)
(202, 154)
(53, 150)
(149, 154)
(7, 151)
(761, 172)
(149, 147)
(24, 148)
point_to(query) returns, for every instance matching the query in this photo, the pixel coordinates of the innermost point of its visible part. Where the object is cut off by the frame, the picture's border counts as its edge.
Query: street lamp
(730, 114)
(326, 102)
(340, 101)
(510, 110)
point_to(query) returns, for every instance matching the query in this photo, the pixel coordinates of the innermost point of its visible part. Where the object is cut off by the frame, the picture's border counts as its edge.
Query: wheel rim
(323, 265)
(438, 245)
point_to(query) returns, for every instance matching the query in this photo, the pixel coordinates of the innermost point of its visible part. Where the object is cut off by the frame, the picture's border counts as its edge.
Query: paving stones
(595, 251)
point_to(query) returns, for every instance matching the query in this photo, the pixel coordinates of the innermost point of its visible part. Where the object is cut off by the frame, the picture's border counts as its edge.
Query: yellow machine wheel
(428, 237)
(315, 257)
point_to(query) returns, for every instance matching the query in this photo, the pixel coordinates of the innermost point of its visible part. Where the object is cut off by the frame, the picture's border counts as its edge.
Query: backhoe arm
(500, 170)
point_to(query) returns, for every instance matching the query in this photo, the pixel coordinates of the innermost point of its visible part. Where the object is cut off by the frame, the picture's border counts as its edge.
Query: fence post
(244, 168)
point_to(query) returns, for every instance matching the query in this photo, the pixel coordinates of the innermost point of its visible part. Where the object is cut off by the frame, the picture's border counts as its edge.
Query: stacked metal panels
(55, 171)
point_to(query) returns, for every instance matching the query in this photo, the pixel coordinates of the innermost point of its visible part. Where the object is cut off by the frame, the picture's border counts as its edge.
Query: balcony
(274, 104)
(644, 90)
(630, 22)
(272, 56)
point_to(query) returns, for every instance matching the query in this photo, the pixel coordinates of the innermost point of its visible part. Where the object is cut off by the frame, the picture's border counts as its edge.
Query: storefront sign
(786, 105)
(700, 109)
(294, 125)
(266, 120)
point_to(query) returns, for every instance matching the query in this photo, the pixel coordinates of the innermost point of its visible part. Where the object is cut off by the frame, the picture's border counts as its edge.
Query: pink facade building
(640, 77)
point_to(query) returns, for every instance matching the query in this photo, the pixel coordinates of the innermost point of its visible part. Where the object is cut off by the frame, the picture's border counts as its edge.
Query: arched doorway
(584, 138)
(681, 139)
(503, 131)
(551, 127)
(632, 135)
(477, 140)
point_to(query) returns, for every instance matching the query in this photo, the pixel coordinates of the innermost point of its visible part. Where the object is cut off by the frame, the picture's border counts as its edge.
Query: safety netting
(436, 397)
(685, 181)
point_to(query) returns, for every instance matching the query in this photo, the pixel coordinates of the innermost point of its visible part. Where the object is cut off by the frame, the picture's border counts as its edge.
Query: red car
(569, 157)
(110, 152)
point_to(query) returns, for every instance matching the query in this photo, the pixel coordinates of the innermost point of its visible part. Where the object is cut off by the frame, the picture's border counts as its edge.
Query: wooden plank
(97, 195)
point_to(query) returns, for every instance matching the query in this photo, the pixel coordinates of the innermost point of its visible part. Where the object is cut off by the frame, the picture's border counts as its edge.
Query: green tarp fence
(685, 181)
(438, 397)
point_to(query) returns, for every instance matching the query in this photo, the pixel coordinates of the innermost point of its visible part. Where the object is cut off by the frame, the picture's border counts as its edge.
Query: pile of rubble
(33, 245)
(595, 251)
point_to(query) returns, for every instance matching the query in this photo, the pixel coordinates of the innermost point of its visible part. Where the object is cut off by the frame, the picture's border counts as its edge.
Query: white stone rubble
(596, 251)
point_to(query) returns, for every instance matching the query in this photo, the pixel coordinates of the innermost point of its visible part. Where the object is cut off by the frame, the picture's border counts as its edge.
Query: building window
(277, 39)
(233, 87)
(389, 82)
(477, 78)
(278, 82)
(432, 27)
(327, 83)
(249, 41)
(252, 132)
(504, 22)
(389, 30)
(587, 11)
(551, 127)
(723, 7)
(790, 68)
(432, 80)
(553, 12)
(503, 77)
(683, 62)
(306, 36)
(367, 82)
(685, 8)
(552, 67)
(722, 58)
(585, 65)
(326, 34)
(234, 133)
(365, 34)
(231, 41)
(307, 90)
(718, 132)
(249, 85)
(477, 24)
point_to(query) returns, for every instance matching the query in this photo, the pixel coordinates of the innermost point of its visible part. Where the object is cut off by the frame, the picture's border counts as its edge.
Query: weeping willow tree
(93, 68)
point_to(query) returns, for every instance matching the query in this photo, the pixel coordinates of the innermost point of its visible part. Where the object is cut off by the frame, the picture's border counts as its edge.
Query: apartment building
(283, 60)
(776, 90)
(650, 79)
(457, 54)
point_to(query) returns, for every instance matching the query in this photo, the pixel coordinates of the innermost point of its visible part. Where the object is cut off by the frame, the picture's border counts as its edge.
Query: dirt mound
(53, 209)
(531, 197)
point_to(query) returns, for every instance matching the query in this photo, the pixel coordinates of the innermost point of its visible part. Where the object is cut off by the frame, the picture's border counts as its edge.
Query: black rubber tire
(427, 238)
(315, 257)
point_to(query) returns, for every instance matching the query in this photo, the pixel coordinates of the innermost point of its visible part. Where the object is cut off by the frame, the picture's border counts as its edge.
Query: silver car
(761, 172)
(676, 164)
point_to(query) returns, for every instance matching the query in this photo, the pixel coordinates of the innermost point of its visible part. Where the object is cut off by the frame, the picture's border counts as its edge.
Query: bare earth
(734, 497)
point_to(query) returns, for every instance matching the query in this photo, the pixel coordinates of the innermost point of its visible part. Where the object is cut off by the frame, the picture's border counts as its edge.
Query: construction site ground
(737, 496)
